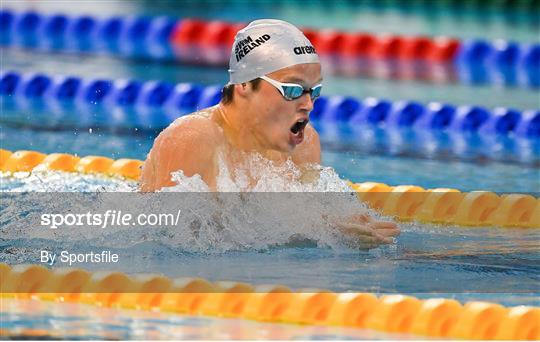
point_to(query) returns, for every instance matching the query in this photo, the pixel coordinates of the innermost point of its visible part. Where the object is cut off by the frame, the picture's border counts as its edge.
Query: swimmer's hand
(367, 233)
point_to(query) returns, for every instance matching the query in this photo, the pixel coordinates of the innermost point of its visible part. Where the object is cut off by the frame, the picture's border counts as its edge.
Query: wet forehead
(303, 74)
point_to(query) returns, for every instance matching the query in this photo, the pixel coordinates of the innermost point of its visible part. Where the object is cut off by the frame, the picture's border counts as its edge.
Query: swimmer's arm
(361, 229)
(187, 146)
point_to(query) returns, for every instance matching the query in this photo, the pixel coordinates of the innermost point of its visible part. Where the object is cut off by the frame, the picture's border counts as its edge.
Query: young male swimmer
(275, 76)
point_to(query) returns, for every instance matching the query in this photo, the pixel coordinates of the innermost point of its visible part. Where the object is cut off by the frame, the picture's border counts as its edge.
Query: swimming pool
(468, 264)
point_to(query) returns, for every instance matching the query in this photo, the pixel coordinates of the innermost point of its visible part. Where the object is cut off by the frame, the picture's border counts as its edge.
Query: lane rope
(404, 202)
(155, 104)
(432, 59)
(394, 313)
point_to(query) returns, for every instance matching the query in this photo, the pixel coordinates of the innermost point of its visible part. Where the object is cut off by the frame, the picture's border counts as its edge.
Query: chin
(290, 148)
(284, 148)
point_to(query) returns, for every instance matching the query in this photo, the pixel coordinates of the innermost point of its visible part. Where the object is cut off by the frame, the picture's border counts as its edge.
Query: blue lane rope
(158, 103)
(477, 61)
(135, 36)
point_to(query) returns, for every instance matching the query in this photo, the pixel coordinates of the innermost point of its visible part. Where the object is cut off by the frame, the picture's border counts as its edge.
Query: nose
(305, 102)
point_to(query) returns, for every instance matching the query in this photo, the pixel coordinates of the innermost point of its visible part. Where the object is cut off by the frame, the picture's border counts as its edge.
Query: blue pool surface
(476, 263)
(356, 165)
(426, 261)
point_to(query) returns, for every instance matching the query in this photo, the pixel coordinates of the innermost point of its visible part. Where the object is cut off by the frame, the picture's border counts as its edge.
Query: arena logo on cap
(247, 44)
(304, 50)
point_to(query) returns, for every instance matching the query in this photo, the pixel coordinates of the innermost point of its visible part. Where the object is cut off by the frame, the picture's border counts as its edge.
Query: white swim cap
(265, 46)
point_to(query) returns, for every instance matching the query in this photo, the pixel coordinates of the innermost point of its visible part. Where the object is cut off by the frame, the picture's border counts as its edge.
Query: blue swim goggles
(292, 91)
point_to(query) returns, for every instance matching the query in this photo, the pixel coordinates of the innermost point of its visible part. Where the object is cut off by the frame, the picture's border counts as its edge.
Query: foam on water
(220, 236)
(225, 220)
(262, 221)
(258, 174)
(56, 181)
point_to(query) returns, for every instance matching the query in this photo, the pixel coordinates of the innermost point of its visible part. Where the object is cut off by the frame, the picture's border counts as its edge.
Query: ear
(242, 89)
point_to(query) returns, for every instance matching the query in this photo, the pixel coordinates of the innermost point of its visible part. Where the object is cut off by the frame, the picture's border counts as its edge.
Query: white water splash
(259, 221)
(258, 174)
(258, 205)
(58, 181)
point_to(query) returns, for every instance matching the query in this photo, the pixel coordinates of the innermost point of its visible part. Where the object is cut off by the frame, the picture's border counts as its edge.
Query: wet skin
(257, 120)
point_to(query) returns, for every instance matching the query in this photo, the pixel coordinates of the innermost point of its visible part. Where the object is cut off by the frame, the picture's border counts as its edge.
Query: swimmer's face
(278, 123)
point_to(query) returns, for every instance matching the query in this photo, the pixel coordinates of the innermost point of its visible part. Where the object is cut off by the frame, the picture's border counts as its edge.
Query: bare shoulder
(188, 144)
(193, 126)
(309, 151)
(188, 135)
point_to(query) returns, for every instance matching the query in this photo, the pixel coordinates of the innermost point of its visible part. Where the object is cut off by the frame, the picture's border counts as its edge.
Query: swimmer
(275, 77)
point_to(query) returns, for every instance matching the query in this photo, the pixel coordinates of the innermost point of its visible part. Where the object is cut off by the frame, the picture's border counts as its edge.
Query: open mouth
(299, 126)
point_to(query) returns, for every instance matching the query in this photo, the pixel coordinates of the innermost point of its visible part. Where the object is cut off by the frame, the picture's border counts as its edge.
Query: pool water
(357, 164)
(42, 320)
(426, 261)
(482, 263)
